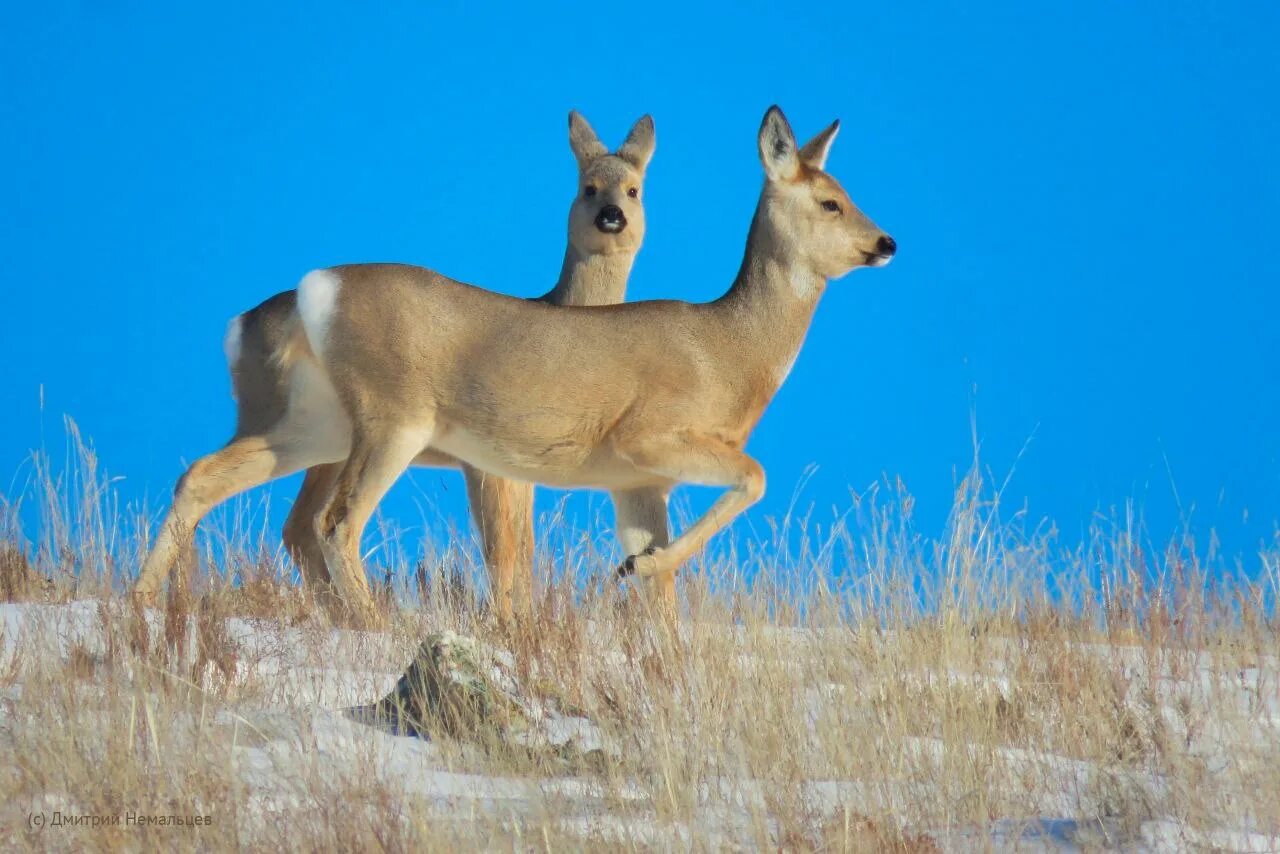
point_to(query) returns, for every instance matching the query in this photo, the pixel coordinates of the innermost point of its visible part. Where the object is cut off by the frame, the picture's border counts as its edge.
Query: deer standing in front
(284, 404)
(633, 398)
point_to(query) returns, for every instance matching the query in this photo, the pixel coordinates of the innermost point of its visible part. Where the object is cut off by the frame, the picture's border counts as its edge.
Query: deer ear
(583, 140)
(778, 147)
(638, 147)
(814, 153)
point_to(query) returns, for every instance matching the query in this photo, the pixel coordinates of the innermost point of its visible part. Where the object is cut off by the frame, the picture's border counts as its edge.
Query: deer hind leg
(503, 514)
(377, 458)
(300, 538)
(642, 523)
(245, 462)
(705, 460)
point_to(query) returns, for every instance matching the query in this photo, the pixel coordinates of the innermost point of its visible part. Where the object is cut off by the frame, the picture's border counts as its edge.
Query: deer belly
(555, 462)
(525, 458)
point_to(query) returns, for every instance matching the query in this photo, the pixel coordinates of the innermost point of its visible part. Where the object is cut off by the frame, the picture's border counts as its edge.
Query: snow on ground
(278, 738)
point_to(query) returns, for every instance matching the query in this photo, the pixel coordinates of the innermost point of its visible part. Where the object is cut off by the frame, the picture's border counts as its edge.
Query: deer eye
(632, 192)
(831, 205)
(589, 191)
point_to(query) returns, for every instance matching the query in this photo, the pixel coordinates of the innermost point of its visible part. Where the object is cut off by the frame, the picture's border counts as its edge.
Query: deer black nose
(886, 245)
(611, 219)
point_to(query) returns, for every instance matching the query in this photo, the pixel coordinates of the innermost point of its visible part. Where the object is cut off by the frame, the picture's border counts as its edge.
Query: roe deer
(633, 398)
(280, 401)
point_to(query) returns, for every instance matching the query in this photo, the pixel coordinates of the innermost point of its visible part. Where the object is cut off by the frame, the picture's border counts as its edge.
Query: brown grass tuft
(18, 581)
(871, 690)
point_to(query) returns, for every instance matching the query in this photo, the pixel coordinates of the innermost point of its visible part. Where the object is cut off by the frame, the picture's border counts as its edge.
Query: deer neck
(587, 279)
(772, 301)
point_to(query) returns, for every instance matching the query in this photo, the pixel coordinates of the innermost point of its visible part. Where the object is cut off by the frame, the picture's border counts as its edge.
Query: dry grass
(868, 690)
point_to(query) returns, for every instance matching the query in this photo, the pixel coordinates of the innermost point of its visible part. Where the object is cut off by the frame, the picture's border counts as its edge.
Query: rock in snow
(469, 690)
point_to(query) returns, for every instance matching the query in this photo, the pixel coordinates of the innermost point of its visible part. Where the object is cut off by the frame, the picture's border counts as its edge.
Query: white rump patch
(317, 296)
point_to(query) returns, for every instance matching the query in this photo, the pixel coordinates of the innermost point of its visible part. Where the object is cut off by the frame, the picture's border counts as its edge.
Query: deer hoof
(642, 564)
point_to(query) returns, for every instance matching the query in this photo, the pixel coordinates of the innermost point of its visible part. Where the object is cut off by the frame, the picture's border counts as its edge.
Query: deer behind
(283, 399)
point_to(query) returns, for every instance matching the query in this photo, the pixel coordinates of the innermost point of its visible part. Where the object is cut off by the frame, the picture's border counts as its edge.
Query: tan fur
(502, 511)
(632, 398)
(273, 350)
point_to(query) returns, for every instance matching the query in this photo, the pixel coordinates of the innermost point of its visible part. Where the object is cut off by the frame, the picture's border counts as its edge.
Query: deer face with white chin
(608, 216)
(809, 211)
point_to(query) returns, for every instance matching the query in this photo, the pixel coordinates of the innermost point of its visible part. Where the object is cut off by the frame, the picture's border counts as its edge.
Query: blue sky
(1085, 196)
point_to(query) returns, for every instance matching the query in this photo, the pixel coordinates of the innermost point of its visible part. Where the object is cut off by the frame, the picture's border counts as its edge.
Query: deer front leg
(503, 514)
(641, 517)
(704, 460)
